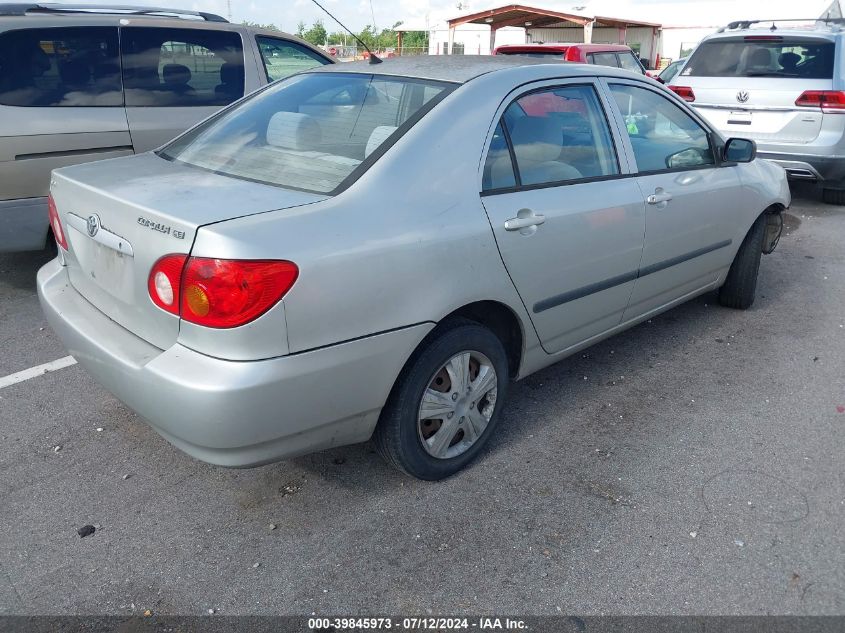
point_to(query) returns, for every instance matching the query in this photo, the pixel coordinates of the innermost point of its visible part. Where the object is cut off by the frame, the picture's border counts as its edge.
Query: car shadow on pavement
(19, 269)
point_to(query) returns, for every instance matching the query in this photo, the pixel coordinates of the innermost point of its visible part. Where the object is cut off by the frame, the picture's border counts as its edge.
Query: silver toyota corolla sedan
(377, 250)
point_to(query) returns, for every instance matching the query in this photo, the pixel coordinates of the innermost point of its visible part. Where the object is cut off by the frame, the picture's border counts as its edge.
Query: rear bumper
(808, 166)
(23, 224)
(232, 413)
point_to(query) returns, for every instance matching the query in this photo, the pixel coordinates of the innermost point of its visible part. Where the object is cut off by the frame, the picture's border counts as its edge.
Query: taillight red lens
(827, 100)
(224, 293)
(684, 92)
(164, 283)
(56, 223)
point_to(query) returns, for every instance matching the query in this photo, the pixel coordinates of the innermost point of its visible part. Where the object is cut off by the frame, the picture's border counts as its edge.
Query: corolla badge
(93, 224)
(742, 96)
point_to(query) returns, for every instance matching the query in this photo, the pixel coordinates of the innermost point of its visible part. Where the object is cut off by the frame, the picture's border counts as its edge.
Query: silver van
(80, 83)
(783, 86)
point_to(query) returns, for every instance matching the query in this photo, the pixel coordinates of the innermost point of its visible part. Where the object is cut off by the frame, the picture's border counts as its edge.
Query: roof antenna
(774, 28)
(373, 58)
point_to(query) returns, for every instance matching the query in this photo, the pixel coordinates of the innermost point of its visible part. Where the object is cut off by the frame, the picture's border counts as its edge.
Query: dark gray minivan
(85, 82)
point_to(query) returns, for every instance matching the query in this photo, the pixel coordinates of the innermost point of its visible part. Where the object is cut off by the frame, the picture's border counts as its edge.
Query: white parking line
(38, 370)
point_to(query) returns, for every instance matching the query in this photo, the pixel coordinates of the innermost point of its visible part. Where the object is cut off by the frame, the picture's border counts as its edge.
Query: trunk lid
(758, 108)
(140, 209)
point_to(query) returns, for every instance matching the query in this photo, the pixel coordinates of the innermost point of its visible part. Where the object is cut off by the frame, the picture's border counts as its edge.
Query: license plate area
(107, 268)
(739, 118)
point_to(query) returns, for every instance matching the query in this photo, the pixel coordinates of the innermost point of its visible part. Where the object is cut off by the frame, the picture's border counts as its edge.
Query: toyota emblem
(742, 96)
(93, 225)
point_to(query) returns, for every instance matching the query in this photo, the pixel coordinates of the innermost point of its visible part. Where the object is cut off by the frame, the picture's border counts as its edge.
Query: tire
(740, 286)
(408, 442)
(834, 196)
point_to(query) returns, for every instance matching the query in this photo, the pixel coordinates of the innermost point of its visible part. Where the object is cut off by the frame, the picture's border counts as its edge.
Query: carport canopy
(524, 16)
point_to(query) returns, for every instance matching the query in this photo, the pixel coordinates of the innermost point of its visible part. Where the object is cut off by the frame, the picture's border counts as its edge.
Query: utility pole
(229, 8)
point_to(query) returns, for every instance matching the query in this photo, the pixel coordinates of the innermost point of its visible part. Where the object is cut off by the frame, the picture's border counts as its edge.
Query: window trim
(556, 183)
(263, 64)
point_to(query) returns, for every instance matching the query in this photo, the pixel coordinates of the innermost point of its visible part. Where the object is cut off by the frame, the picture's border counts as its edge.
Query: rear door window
(181, 67)
(74, 66)
(603, 59)
(557, 135)
(282, 58)
(762, 56)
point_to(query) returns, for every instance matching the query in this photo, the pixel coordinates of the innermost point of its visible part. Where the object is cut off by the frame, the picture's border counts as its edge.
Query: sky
(356, 14)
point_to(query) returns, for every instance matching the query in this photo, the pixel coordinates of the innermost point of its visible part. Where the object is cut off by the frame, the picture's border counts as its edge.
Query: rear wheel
(446, 403)
(740, 285)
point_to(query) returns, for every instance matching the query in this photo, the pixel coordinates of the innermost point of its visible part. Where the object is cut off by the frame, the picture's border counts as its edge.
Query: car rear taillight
(827, 100)
(165, 282)
(219, 293)
(56, 223)
(684, 92)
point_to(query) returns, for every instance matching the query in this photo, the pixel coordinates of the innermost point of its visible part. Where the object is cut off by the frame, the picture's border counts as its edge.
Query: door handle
(525, 219)
(659, 196)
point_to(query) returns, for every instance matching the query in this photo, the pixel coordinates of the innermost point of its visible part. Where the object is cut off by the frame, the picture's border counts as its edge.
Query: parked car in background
(667, 74)
(82, 83)
(377, 250)
(783, 87)
(613, 55)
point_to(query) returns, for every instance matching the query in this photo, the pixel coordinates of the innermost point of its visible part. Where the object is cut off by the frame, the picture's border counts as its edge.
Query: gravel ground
(693, 465)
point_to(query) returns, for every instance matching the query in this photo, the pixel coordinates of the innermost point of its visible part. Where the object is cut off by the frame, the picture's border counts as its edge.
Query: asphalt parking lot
(693, 465)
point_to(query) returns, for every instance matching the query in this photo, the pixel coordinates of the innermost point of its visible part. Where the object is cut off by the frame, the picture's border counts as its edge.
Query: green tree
(300, 28)
(316, 34)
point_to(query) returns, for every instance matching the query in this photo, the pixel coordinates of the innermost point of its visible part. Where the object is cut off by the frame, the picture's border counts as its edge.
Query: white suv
(782, 87)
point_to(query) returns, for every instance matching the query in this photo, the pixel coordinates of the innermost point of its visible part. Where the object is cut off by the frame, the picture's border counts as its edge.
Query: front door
(568, 224)
(690, 198)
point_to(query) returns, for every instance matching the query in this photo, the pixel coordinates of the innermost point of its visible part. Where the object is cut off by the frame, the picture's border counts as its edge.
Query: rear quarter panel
(408, 243)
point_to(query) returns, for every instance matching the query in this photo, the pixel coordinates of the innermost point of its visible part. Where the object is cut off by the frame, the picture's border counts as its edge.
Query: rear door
(61, 103)
(568, 222)
(176, 77)
(691, 199)
(747, 86)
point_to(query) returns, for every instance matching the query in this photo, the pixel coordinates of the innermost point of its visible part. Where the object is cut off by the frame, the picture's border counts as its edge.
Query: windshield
(310, 132)
(755, 56)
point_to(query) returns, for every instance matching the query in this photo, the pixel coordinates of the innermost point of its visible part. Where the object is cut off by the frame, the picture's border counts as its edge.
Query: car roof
(824, 32)
(451, 68)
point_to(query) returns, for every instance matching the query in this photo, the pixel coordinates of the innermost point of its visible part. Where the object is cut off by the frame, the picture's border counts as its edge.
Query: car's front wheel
(446, 403)
(740, 286)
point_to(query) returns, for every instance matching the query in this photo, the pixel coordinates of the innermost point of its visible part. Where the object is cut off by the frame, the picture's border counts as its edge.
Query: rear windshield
(309, 132)
(802, 59)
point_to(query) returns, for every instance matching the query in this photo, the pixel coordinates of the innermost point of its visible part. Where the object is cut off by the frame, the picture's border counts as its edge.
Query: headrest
(291, 130)
(232, 74)
(789, 60)
(537, 139)
(377, 137)
(176, 74)
(760, 57)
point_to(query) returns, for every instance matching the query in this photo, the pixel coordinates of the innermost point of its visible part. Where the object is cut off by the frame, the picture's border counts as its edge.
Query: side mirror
(740, 150)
